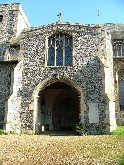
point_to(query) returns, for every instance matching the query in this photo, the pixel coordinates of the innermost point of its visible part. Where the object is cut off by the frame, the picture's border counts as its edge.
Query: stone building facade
(58, 75)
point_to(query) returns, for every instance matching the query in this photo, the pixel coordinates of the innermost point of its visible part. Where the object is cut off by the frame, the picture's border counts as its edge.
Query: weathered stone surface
(12, 14)
(5, 83)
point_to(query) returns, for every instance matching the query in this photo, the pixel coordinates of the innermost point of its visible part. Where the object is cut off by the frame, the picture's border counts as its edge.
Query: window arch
(118, 48)
(59, 50)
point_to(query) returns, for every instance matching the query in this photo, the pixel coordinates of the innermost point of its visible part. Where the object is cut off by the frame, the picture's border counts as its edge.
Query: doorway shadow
(58, 133)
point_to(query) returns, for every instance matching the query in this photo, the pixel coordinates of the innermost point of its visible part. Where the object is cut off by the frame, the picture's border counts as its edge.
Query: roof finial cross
(60, 16)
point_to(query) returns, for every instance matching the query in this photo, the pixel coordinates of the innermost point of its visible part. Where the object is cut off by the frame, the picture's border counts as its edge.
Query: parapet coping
(59, 24)
(2, 4)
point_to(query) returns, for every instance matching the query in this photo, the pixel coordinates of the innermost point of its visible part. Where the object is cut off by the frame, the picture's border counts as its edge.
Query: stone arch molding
(42, 85)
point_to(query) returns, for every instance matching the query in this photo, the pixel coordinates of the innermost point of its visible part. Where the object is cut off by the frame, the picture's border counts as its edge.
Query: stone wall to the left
(5, 83)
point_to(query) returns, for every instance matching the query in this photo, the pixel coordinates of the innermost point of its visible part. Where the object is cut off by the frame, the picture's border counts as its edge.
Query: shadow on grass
(121, 162)
(119, 131)
(59, 133)
(1, 162)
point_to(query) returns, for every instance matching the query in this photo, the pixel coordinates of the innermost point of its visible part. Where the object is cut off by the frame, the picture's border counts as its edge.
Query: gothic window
(118, 48)
(59, 50)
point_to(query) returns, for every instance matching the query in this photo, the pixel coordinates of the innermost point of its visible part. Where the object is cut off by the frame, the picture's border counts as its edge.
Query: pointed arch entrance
(58, 104)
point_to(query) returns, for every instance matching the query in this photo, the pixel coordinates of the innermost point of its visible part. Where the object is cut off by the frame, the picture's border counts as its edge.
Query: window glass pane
(59, 56)
(70, 41)
(51, 56)
(114, 50)
(119, 50)
(57, 43)
(49, 42)
(66, 41)
(68, 56)
(115, 53)
(61, 43)
(53, 42)
(123, 50)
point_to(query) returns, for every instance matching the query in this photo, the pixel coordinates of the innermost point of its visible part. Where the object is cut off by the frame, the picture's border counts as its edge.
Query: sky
(43, 12)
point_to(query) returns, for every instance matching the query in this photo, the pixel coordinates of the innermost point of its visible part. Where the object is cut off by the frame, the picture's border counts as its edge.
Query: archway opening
(59, 107)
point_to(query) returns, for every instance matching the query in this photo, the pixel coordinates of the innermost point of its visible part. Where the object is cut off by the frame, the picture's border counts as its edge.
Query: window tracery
(118, 48)
(59, 50)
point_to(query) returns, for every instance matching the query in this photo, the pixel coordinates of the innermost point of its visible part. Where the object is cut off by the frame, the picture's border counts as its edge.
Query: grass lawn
(119, 131)
(61, 150)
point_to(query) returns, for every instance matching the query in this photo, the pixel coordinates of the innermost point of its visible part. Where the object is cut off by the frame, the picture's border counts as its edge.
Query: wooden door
(68, 114)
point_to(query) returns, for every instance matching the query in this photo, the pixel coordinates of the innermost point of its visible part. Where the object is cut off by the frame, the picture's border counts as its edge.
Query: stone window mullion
(121, 49)
(64, 51)
(55, 51)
